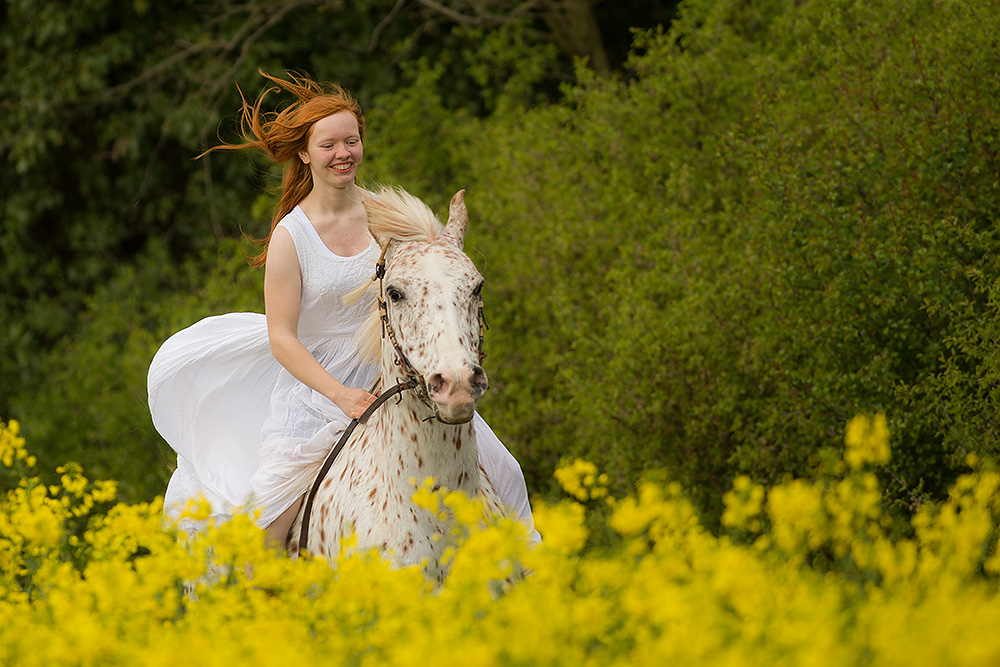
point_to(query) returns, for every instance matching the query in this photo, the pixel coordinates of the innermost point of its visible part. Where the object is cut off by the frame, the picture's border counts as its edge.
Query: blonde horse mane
(393, 215)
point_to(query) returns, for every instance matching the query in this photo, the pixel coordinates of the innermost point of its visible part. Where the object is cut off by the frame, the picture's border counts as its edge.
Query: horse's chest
(380, 515)
(369, 491)
(374, 502)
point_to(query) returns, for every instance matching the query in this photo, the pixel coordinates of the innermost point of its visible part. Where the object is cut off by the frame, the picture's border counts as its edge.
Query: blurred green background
(712, 232)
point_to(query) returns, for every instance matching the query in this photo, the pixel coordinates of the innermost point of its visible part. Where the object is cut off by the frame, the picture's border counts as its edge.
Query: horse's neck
(419, 448)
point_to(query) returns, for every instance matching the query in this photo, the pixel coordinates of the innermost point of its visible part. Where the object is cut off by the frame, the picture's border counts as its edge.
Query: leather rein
(414, 380)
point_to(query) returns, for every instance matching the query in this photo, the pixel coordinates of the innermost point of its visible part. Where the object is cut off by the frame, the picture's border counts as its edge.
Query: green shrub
(783, 217)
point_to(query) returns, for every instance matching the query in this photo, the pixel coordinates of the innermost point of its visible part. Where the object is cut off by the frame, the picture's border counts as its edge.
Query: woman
(252, 404)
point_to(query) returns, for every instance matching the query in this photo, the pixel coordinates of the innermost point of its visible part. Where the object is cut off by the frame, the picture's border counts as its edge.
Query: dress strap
(296, 224)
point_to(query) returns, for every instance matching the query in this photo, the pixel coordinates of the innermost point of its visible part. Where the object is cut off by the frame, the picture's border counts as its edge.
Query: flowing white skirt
(245, 431)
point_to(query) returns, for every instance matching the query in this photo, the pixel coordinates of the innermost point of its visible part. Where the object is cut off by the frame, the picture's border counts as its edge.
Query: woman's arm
(282, 297)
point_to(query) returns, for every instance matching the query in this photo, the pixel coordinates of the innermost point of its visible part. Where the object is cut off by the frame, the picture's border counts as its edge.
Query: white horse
(429, 318)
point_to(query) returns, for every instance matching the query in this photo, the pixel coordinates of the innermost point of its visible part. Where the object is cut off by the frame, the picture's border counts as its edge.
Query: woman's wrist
(336, 392)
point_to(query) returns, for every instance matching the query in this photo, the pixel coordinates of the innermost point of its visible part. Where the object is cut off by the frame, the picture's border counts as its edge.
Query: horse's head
(431, 290)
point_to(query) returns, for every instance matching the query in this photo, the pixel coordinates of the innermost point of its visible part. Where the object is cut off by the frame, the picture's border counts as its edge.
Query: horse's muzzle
(456, 392)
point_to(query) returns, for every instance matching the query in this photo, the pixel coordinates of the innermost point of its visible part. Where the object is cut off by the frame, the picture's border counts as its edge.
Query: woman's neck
(331, 202)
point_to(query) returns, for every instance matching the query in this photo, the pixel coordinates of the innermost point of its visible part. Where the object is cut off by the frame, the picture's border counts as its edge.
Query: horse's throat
(419, 449)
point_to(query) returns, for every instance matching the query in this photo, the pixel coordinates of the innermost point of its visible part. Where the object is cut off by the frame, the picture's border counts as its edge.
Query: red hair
(285, 134)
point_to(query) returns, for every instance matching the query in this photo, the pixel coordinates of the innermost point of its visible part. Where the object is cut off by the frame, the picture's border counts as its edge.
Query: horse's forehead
(432, 261)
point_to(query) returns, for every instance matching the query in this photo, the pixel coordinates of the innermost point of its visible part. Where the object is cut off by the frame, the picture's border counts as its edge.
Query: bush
(783, 216)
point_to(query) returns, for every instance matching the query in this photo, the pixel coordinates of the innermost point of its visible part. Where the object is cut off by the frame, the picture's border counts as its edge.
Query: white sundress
(248, 435)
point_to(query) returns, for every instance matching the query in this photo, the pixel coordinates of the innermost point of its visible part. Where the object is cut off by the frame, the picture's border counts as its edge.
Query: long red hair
(285, 134)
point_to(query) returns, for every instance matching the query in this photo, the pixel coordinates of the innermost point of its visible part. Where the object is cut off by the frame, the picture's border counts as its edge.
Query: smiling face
(334, 150)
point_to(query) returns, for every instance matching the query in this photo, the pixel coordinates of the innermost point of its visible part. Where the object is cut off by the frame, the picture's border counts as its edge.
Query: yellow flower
(867, 441)
(581, 480)
(743, 505)
(562, 526)
(12, 446)
(667, 592)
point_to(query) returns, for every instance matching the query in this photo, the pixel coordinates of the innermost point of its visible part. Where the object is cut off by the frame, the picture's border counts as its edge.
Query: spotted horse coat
(432, 294)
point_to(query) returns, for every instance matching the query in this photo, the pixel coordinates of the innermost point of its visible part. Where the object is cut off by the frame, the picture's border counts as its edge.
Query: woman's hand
(354, 402)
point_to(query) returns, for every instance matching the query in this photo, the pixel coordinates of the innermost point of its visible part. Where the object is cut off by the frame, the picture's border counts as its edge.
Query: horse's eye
(478, 290)
(394, 294)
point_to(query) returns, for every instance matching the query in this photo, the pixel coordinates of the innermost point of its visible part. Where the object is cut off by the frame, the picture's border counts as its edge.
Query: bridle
(412, 379)
(409, 372)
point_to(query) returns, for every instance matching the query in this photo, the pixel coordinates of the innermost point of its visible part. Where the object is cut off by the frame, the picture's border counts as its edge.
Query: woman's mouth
(342, 167)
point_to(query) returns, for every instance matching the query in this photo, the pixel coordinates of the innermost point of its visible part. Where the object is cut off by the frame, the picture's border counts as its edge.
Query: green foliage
(783, 218)
(100, 105)
(508, 64)
(603, 244)
(875, 200)
(421, 144)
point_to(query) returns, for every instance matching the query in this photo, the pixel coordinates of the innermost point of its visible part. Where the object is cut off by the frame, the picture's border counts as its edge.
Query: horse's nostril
(479, 379)
(468, 379)
(436, 383)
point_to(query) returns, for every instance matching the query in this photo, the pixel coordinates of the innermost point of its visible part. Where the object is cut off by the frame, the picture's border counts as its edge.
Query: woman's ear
(304, 156)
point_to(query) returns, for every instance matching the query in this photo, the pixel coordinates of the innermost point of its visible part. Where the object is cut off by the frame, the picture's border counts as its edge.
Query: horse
(426, 331)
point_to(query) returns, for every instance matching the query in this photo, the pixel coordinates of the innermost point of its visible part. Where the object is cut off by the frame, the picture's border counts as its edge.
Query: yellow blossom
(867, 441)
(582, 480)
(85, 584)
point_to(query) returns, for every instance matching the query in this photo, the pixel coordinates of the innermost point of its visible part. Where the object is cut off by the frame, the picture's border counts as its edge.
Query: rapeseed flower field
(809, 572)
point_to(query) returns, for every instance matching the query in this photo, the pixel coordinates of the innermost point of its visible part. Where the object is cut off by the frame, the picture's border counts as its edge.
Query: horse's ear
(458, 220)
